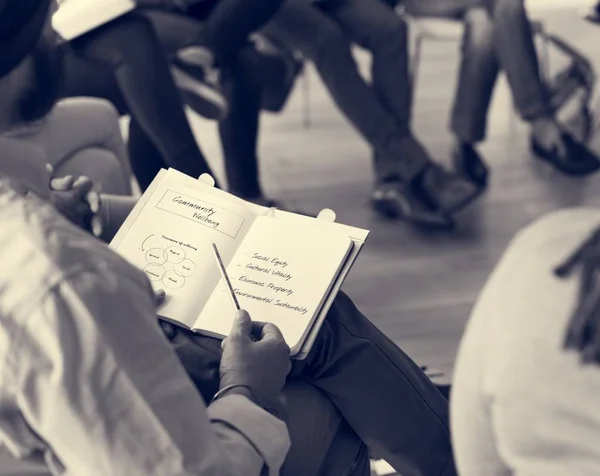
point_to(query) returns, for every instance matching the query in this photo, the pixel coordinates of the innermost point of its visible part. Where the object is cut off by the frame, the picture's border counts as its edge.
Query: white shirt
(521, 404)
(88, 382)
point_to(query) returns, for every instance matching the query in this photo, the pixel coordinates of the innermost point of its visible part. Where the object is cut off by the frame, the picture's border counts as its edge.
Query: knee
(479, 29)
(130, 26)
(392, 33)
(329, 43)
(508, 7)
(128, 33)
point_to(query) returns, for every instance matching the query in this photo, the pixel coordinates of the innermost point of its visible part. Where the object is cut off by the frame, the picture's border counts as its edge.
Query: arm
(113, 212)
(116, 399)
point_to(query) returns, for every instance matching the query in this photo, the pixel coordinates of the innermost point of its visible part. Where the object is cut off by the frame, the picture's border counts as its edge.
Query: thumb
(242, 324)
(62, 184)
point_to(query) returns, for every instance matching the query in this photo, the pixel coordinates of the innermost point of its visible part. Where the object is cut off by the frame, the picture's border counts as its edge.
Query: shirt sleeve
(100, 384)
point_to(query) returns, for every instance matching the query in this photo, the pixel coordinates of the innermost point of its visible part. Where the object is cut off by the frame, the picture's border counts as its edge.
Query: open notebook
(285, 268)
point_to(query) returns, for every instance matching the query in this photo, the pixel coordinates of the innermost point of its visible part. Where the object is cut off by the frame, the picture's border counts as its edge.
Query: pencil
(236, 304)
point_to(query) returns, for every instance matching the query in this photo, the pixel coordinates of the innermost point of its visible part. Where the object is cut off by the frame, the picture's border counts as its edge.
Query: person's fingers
(242, 324)
(81, 180)
(62, 184)
(223, 343)
(159, 296)
(270, 332)
(82, 186)
(93, 200)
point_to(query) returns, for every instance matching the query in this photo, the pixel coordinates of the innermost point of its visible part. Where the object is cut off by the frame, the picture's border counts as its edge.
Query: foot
(199, 82)
(550, 144)
(396, 199)
(469, 164)
(446, 191)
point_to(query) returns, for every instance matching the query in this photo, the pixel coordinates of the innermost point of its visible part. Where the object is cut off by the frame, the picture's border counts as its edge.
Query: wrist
(270, 405)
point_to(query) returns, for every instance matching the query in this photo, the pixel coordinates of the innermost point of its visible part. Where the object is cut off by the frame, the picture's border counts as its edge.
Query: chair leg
(414, 68)
(306, 106)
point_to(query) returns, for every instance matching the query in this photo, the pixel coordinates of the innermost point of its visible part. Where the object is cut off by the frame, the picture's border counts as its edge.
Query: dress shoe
(578, 161)
(469, 164)
(446, 191)
(397, 200)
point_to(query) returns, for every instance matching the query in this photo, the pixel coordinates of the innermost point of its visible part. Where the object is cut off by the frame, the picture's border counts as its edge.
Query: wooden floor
(417, 288)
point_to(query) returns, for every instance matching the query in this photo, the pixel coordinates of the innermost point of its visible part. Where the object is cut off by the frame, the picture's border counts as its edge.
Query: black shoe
(579, 160)
(199, 85)
(446, 191)
(397, 200)
(469, 164)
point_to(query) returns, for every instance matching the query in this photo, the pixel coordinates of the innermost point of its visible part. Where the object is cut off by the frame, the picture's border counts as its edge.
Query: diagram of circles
(186, 268)
(172, 280)
(155, 272)
(156, 256)
(175, 254)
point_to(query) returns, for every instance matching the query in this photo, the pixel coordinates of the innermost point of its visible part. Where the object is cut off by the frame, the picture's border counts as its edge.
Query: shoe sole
(203, 99)
(387, 209)
(542, 157)
(466, 202)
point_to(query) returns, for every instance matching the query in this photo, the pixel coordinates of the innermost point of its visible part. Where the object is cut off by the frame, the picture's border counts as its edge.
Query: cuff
(268, 434)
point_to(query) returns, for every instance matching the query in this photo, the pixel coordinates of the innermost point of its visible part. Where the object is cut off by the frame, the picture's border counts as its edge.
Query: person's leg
(239, 130)
(517, 55)
(516, 51)
(303, 27)
(229, 23)
(322, 443)
(373, 25)
(408, 184)
(478, 72)
(384, 396)
(130, 47)
(86, 78)
(146, 160)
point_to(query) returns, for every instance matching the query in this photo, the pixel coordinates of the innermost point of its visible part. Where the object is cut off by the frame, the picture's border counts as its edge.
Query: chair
(81, 136)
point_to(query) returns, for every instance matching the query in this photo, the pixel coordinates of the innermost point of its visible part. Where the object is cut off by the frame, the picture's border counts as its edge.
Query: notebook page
(170, 239)
(281, 274)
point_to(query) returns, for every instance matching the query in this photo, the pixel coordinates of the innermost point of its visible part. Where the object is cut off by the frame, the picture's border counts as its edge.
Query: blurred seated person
(526, 383)
(91, 386)
(242, 81)
(225, 34)
(408, 184)
(82, 136)
(129, 48)
(498, 36)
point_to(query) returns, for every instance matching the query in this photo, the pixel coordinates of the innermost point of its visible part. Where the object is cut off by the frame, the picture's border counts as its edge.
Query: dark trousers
(382, 395)
(324, 32)
(229, 24)
(129, 48)
(497, 36)
(241, 83)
